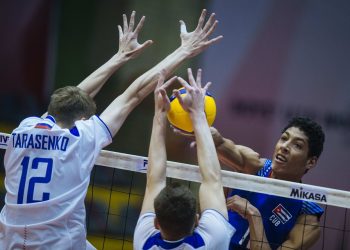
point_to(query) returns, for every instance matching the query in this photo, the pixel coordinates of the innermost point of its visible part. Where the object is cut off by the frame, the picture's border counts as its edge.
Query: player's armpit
(304, 234)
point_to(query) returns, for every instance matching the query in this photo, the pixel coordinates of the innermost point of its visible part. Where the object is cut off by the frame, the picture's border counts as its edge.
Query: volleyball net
(118, 180)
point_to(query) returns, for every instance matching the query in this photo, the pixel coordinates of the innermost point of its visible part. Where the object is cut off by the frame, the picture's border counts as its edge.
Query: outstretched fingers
(191, 77)
(160, 80)
(125, 23)
(214, 40)
(177, 94)
(201, 19)
(209, 23)
(211, 28)
(169, 82)
(140, 25)
(183, 29)
(120, 33)
(199, 77)
(132, 21)
(142, 46)
(183, 83)
(206, 87)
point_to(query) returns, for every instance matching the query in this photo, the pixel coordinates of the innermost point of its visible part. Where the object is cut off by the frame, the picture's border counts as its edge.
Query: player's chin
(277, 164)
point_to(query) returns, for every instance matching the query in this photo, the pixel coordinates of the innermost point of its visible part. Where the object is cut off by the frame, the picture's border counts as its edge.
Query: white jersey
(213, 232)
(47, 175)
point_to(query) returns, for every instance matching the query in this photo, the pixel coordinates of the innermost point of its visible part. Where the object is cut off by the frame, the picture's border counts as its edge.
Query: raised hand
(193, 101)
(198, 40)
(241, 206)
(128, 44)
(161, 99)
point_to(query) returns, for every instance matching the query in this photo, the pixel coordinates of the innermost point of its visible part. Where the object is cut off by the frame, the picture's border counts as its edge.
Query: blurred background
(277, 59)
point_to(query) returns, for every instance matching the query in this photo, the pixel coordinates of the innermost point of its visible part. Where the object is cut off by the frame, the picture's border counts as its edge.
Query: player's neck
(278, 176)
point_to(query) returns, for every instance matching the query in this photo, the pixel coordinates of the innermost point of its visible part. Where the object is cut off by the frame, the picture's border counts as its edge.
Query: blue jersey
(278, 214)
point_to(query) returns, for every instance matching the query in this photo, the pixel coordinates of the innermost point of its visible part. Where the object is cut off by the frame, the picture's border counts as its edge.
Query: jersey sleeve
(93, 131)
(144, 230)
(311, 208)
(93, 135)
(29, 122)
(215, 229)
(266, 169)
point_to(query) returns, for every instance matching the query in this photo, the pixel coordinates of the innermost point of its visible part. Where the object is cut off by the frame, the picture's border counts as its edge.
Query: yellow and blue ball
(180, 119)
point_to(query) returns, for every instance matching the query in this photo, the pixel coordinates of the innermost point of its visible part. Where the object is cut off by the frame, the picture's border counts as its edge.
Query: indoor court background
(277, 59)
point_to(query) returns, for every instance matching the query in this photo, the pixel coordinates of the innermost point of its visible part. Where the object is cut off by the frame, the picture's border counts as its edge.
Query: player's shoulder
(215, 225)
(91, 125)
(311, 208)
(30, 122)
(265, 167)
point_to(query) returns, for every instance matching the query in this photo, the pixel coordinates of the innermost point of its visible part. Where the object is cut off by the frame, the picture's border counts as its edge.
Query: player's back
(47, 175)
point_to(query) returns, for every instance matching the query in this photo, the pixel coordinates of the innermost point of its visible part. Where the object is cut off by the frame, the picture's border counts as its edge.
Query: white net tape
(230, 179)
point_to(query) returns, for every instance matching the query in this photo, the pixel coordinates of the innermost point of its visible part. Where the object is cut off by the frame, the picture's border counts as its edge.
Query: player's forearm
(229, 155)
(94, 82)
(146, 83)
(157, 151)
(207, 157)
(256, 228)
(304, 234)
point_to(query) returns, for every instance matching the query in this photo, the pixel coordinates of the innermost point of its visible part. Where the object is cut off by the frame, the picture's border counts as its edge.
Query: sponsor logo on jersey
(301, 193)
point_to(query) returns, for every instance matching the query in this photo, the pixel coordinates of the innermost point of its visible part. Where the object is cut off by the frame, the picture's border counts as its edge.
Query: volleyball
(180, 119)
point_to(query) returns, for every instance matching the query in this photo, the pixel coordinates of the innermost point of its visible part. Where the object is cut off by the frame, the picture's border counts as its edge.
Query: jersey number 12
(34, 164)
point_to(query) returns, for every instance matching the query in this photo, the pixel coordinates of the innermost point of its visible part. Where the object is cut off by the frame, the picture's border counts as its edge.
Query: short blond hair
(69, 104)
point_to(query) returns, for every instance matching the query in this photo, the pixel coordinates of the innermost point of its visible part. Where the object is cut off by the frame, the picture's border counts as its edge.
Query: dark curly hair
(312, 130)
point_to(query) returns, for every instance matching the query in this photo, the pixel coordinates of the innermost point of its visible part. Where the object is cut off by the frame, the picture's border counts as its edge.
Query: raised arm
(129, 48)
(192, 43)
(156, 172)
(211, 194)
(237, 157)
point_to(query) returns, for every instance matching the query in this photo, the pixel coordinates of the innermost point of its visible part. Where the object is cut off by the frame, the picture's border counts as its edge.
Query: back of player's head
(175, 208)
(312, 130)
(69, 104)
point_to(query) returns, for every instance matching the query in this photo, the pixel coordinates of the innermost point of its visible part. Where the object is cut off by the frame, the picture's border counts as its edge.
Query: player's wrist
(252, 211)
(160, 116)
(197, 115)
(184, 51)
(120, 58)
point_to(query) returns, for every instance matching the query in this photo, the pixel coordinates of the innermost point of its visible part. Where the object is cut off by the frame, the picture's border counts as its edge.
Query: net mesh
(117, 185)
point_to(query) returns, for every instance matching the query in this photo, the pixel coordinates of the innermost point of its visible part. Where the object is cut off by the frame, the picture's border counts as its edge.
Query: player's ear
(196, 222)
(311, 163)
(156, 223)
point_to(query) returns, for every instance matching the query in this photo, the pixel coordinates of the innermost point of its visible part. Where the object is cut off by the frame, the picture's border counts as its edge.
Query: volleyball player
(48, 160)
(168, 217)
(290, 223)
